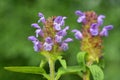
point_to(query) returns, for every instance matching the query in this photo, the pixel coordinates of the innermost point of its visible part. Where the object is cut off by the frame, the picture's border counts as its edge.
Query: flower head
(91, 34)
(52, 35)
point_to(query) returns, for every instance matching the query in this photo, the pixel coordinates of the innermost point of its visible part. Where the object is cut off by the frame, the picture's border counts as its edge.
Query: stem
(52, 69)
(86, 75)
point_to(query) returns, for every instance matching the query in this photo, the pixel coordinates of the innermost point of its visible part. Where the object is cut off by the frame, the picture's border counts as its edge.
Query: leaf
(97, 72)
(27, 69)
(62, 62)
(81, 59)
(70, 69)
(43, 62)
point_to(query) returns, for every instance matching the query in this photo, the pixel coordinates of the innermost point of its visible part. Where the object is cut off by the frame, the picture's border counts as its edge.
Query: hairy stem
(52, 69)
(86, 75)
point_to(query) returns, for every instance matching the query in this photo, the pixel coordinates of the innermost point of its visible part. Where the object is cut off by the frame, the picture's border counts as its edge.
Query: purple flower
(47, 47)
(49, 40)
(63, 32)
(35, 25)
(42, 18)
(37, 45)
(39, 32)
(78, 35)
(68, 40)
(100, 19)
(81, 17)
(58, 22)
(104, 31)
(58, 38)
(64, 46)
(94, 29)
(32, 38)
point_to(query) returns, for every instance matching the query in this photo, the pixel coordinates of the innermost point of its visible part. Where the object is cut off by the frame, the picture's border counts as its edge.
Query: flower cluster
(52, 35)
(91, 34)
(94, 25)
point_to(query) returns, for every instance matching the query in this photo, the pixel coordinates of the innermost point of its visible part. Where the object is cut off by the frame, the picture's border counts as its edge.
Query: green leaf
(70, 69)
(43, 62)
(97, 72)
(62, 62)
(81, 59)
(27, 69)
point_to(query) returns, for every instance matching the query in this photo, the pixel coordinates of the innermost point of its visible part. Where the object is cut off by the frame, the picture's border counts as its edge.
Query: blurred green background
(16, 17)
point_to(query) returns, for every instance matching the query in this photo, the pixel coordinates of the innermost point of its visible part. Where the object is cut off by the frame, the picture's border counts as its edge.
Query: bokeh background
(16, 17)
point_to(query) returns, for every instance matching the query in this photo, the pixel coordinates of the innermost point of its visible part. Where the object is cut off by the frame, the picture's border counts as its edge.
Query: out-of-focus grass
(16, 17)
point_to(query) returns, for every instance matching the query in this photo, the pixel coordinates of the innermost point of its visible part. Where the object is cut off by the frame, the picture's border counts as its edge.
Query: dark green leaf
(97, 72)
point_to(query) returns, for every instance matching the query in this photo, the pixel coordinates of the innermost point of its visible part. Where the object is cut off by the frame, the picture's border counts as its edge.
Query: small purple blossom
(32, 38)
(58, 38)
(49, 40)
(37, 45)
(39, 32)
(81, 17)
(78, 35)
(42, 18)
(94, 29)
(68, 40)
(64, 46)
(58, 22)
(100, 19)
(104, 31)
(63, 32)
(47, 47)
(35, 25)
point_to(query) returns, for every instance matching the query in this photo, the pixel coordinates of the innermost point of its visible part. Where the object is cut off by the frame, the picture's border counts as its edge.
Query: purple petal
(49, 40)
(100, 19)
(40, 14)
(79, 13)
(81, 19)
(39, 32)
(35, 25)
(63, 22)
(63, 32)
(58, 38)
(64, 46)
(42, 18)
(109, 27)
(32, 38)
(104, 32)
(58, 19)
(94, 29)
(68, 40)
(47, 47)
(78, 35)
(37, 46)
(57, 27)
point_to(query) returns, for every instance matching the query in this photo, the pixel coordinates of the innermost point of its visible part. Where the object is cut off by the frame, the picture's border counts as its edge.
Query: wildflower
(81, 16)
(78, 34)
(52, 35)
(104, 31)
(91, 34)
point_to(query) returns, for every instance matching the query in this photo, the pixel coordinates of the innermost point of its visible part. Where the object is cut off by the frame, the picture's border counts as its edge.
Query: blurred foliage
(16, 17)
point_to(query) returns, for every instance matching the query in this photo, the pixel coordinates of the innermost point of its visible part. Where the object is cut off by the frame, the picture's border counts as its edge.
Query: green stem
(52, 69)
(86, 75)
